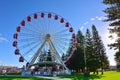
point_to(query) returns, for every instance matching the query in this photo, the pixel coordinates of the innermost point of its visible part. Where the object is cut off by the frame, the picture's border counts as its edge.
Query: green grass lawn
(110, 75)
(20, 78)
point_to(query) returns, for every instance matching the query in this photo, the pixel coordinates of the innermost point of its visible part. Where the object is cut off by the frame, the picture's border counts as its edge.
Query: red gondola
(15, 36)
(67, 24)
(18, 29)
(71, 29)
(35, 16)
(60, 67)
(36, 69)
(21, 59)
(75, 42)
(29, 19)
(49, 15)
(15, 43)
(72, 57)
(17, 52)
(56, 17)
(42, 15)
(62, 20)
(23, 23)
(68, 62)
(73, 36)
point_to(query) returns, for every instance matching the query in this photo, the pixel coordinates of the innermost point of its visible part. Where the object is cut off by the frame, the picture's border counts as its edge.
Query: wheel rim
(32, 31)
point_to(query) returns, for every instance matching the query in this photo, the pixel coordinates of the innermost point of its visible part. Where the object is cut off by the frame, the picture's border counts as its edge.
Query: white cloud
(92, 19)
(3, 39)
(100, 18)
(86, 23)
(81, 28)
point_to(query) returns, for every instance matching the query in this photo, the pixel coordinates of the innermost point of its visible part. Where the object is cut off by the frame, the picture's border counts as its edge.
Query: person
(32, 73)
(87, 73)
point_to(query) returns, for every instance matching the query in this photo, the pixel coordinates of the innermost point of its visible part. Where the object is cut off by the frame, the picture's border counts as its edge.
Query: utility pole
(101, 62)
(85, 53)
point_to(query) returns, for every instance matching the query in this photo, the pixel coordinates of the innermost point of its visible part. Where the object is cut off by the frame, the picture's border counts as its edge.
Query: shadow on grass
(20, 78)
(81, 77)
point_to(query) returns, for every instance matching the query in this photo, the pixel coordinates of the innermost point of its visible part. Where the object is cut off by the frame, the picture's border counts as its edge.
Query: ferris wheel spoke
(62, 35)
(41, 24)
(29, 39)
(29, 30)
(62, 31)
(62, 38)
(48, 27)
(34, 27)
(31, 49)
(45, 27)
(62, 41)
(62, 44)
(26, 45)
(57, 26)
(58, 48)
(29, 34)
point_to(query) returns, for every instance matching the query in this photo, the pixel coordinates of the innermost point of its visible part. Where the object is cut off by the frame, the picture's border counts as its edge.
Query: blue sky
(80, 13)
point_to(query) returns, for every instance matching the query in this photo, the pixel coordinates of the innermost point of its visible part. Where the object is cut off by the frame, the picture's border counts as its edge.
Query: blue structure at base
(37, 73)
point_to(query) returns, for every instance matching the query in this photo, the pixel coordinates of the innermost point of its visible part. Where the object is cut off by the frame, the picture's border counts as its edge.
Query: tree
(96, 45)
(80, 49)
(77, 62)
(99, 50)
(113, 16)
(89, 51)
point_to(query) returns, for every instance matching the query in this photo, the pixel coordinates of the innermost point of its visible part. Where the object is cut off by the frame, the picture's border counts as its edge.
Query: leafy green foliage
(77, 62)
(90, 52)
(99, 50)
(113, 16)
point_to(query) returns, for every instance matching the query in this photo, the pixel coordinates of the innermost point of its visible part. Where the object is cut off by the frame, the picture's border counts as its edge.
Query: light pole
(101, 62)
(85, 53)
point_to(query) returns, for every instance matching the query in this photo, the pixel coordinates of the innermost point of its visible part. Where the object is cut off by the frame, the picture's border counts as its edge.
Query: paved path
(53, 78)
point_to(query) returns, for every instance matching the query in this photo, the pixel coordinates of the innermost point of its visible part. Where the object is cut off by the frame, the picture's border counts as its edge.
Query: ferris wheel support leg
(37, 53)
(57, 55)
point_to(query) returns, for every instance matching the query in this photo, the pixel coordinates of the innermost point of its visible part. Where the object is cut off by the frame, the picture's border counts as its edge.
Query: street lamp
(85, 53)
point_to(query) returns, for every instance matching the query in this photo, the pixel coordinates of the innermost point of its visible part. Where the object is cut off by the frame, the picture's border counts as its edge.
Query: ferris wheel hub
(48, 37)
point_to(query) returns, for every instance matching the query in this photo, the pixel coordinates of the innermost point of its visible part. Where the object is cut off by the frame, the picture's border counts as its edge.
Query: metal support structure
(37, 53)
(57, 55)
(53, 52)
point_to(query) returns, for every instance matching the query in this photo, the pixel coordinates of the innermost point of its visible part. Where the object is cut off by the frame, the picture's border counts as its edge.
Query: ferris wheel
(41, 32)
